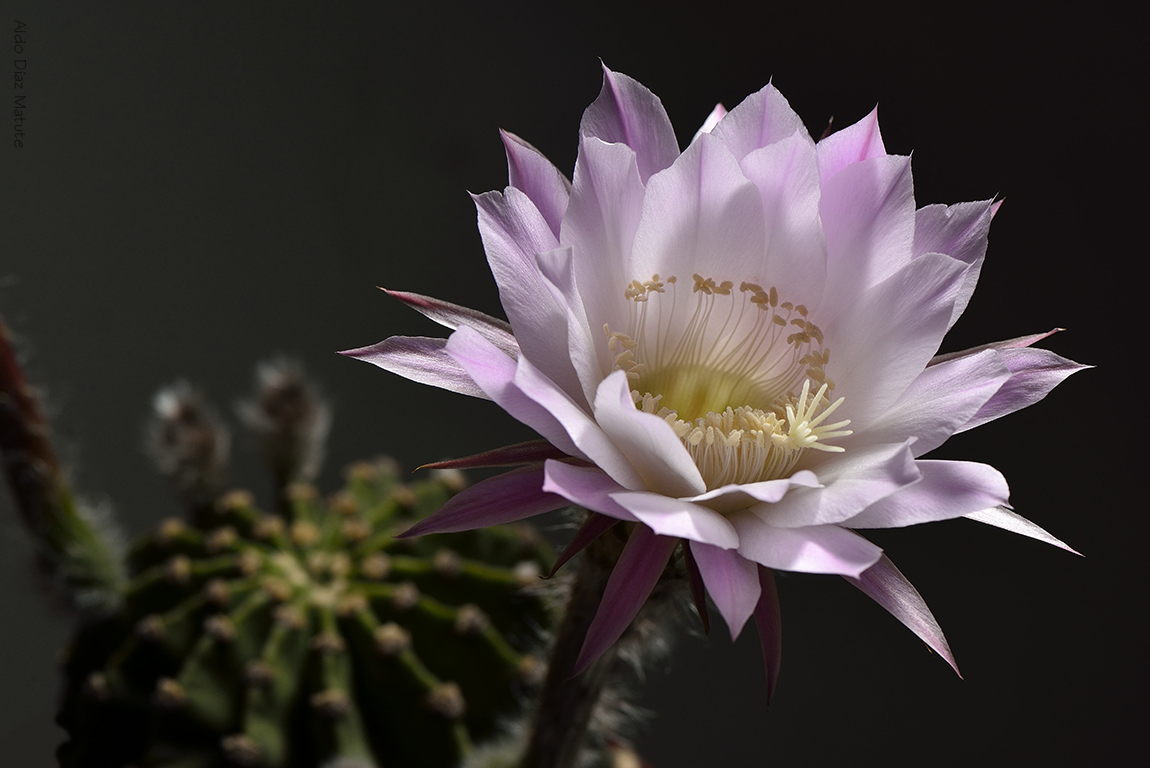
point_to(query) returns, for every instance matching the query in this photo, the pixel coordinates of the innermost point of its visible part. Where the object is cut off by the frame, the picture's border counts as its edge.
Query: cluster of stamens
(726, 380)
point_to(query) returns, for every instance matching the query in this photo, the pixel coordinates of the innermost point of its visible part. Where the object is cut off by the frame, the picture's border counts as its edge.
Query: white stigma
(726, 381)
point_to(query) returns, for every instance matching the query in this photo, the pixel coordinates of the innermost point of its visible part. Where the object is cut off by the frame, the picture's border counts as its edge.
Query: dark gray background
(204, 186)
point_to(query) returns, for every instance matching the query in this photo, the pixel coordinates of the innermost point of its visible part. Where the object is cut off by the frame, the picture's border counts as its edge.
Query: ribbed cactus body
(297, 639)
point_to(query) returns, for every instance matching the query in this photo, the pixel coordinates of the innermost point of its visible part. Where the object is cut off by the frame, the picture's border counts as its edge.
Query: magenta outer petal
(732, 581)
(509, 456)
(769, 622)
(762, 119)
(1015, 523)
(867, 210)
(1033, 374)
(422, 360)
(647, 441)
(815, 549)
(586, 486)
(948, 489)
(853, 144)
(939, 402)
(593, 527)
(495, 373)
(449, 315)
(626, 112)
(501, 499)
(531, 172)
(639, 568)
(852, 481)
(675, 517)
(886, 585)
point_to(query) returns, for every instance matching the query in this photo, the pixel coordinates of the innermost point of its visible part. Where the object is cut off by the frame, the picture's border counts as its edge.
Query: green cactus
(305, 637)
(293, 640)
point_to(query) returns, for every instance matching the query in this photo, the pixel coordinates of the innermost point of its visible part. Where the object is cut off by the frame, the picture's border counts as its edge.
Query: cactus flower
(732, 347)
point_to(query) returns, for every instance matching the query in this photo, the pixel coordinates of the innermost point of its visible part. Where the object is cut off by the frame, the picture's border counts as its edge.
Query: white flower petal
(814, 549)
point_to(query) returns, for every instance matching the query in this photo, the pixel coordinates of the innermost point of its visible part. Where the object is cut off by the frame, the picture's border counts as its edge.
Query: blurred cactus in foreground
(307, 636)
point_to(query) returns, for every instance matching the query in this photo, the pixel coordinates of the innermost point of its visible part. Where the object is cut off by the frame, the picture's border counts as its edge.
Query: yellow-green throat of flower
(732, 373)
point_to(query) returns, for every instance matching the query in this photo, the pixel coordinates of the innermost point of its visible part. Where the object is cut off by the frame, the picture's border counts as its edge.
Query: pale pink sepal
(1016, 523)
(635, 575)
(886, 585)
(422, 360)
(815, 549)
(676, 517)
(948, 489)
(769, 622)
(449, 315)
(717, 114)
(1033, 374)
(508, 456)
(732, 581)
(504, 498)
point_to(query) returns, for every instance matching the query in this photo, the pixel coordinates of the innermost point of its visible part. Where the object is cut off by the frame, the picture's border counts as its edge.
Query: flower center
(731, 373)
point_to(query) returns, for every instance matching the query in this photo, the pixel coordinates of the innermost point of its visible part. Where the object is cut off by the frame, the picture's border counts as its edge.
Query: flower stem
(71, 542)
(567, 704)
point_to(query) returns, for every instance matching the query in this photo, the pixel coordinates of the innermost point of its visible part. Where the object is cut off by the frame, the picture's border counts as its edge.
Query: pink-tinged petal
(593, 527)
(769, 623)
(584, 345)
(1033, 374)
(815, 549)
(422, 360)
(675, 517)
(762, 119)
(530, 171)
(1015, 343)
(513, 232)
(509, 456)
(886, 585)
(495, 374)
(701, 216)
(948, 489)
(1011, 521)
(881, 343)
(939, 402)
(729, 498)
(648, 442)
(590, 441)
(504, 498)
(627, 113)
(959, 231)
(635, 575)
(588, 487)
(449, 315)
(852, 481)
(698, 590)
(600, 224)
(867, 211)
(732, 581)
(717, 114)
(853, 144)
(787, 178)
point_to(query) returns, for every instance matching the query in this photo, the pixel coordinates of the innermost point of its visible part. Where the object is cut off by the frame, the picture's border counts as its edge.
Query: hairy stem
(566, 704)
(70, 542)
